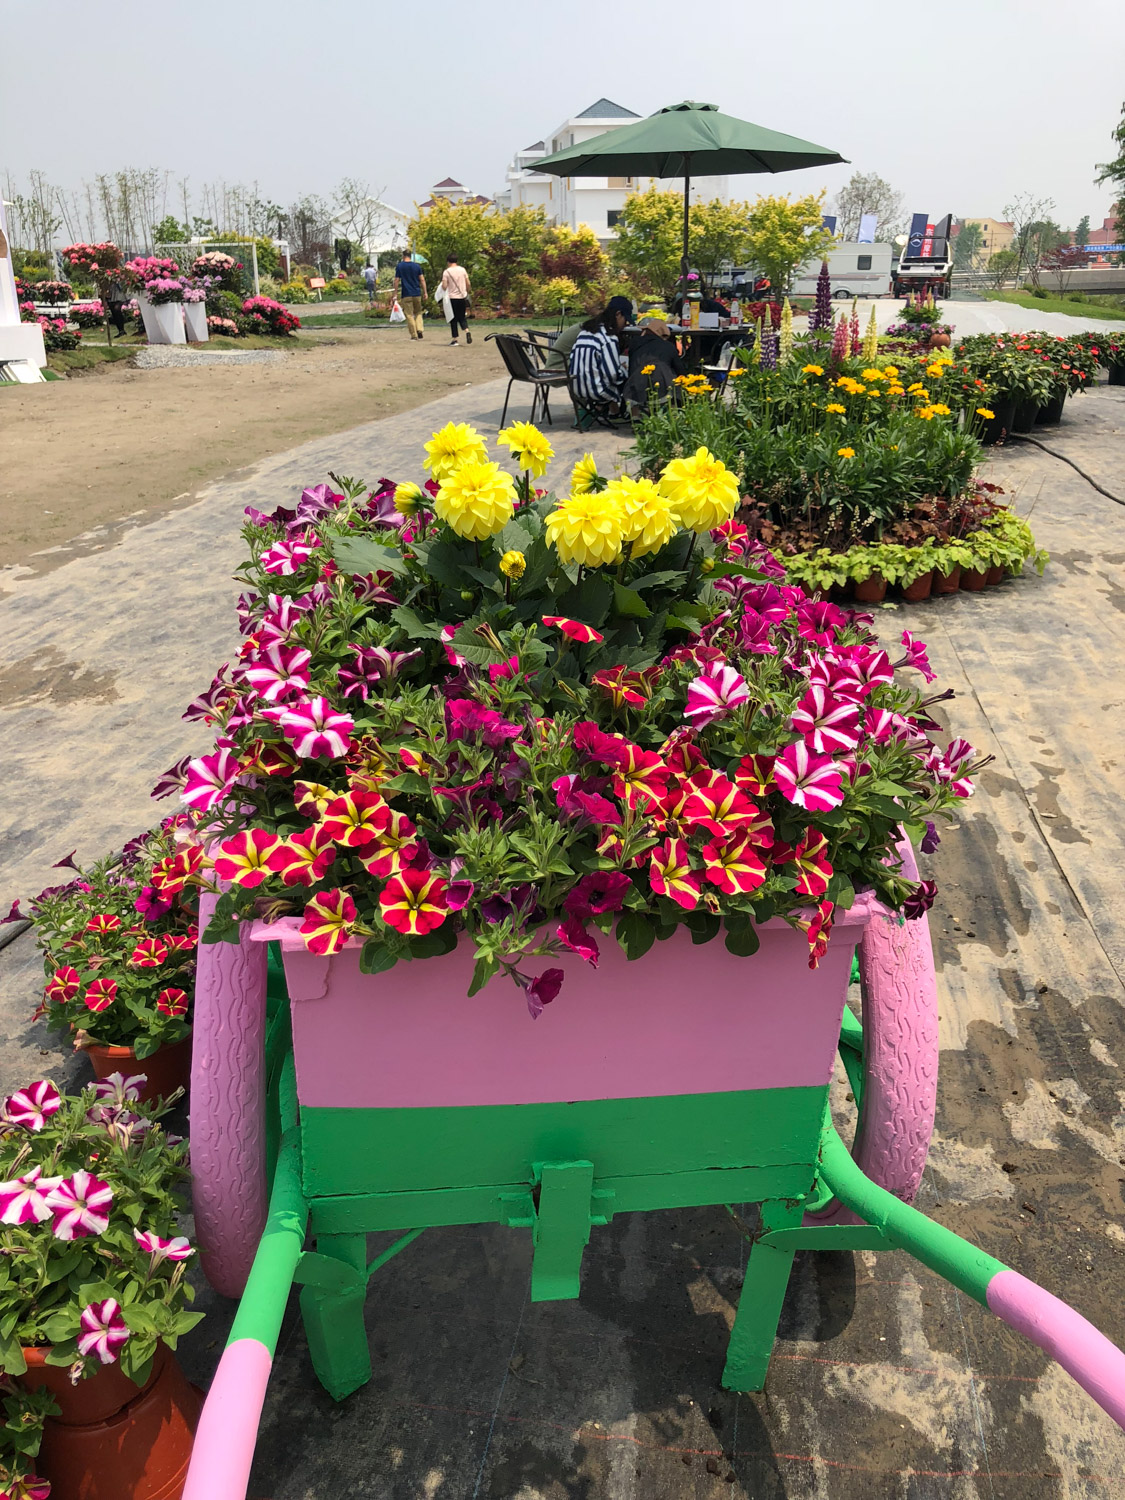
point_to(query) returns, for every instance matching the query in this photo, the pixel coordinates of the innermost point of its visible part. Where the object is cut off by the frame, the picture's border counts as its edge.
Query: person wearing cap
(653, 363)
(615, 316)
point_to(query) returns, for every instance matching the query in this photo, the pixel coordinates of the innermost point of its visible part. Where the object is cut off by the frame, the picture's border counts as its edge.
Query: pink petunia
(243, 858)
(574, 630)
(828, 724)
(149, 953)
(808, 780)
(80, 1205)
(102, 1330)
(714, 695)
(101, 995)
(24, 1200)
(280, 672)
(573, 935)
(32, 1106)
(175, 1249)
(916, 656)
(285, 558)
(120, 1090)
(316, 730)
(209, 779)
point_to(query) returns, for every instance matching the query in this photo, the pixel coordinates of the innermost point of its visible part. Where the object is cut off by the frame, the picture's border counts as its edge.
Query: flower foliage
(615, 737)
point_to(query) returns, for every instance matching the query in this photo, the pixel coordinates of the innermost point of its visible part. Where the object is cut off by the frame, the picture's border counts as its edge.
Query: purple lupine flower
(821, 316)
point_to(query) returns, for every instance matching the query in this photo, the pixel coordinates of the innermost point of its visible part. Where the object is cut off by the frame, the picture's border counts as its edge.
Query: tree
(1033, 231)
(967, 246)
(718, 234)
(650, 230)
(1114, 172)
(461, 229)
(358, 212)
(169, 231)
(1002, 266)
(868, 193)
(784, 234)
(1082, 233)
(575, 255)
(512, 253)
(308, 227)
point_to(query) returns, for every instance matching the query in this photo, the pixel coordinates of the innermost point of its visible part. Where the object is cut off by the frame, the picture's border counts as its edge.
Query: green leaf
(515, 539)
(636, 933)
(360, 555)
(474, 649)
(628, 602)
(145, 1046)
(434, 944)
(491, 581)
(483, 970)
(741, 939)
(375, 957)
(703, 927)
(416, 628)
(658, 580)
(589, 601)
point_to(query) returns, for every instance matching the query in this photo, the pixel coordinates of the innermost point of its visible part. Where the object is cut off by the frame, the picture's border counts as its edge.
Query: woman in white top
(455, 284)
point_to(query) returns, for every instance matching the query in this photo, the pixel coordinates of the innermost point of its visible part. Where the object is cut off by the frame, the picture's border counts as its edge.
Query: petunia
(808, 780)
(80, 1204)
(670, 874)
(640, 776)
(303, 858)
(916, 656)
(178, 1248)
(32, 1106)
(355, 819)
(24, 1200)
(733, 864)
(101, 995)
(374, 666)
(574, 630)
(243, 858)
(754, 775)
(711, 801)
(209, 779)
(329, 921)
(172, 1002)
(149, 953)
(394, 849)
(119, 1089)
(103, 922)
(152, 904)
(374, 588)
(285, 558)
(930, 839)
(102, 1330)
(280, 672)
(623, 686)
(311, 798)
(819, 930)
(414, 902)
(541, 990)
(573, 935)
(714, 695)
(818, 622)
(920, 899)
(468, 720)
(814, 870)
(63, 985)
(599, 891)
(828, 724)
(316, 730)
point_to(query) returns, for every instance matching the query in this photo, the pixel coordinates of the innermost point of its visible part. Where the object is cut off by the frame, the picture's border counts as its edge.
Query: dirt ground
(121, 444)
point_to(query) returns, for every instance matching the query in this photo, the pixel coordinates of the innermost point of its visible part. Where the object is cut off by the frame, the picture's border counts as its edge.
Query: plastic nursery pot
(94, 1399)
(1026, 413)
(973, 579)
(995, 575)
(1117, 375)
(947, 583)
(166, 1070)
(1051, 412)
(871, 590)
(920, 589)
(140, 1453)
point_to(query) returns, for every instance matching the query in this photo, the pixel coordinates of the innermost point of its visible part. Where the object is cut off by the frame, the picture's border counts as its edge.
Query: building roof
(477, 198)
(536, 146)
(449, 182)
(605, 109)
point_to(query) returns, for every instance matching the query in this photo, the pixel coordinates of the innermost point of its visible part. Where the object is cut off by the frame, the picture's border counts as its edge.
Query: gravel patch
(167, 356)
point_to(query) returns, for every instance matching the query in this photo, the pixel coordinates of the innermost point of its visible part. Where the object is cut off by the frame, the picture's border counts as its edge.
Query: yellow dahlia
(455, 444)
(529, 447)
(477, 500)
(584, 477)
(702, 490)
(408, 499)
(513, 564)
(586, 529)
(646, 514)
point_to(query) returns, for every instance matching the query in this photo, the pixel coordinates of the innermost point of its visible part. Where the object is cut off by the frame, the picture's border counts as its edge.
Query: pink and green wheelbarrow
(328, 1104)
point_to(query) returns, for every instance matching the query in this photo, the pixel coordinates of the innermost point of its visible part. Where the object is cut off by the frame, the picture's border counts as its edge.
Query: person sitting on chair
(653, 364)
(617, 315)
(597, 374)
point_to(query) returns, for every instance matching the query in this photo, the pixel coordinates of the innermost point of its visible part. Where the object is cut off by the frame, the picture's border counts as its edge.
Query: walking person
(455, 281)
(410, 288)
(369, 274)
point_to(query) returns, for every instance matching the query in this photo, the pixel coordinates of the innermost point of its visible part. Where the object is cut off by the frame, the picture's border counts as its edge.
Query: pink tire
(900, 1052)
(228, 1105)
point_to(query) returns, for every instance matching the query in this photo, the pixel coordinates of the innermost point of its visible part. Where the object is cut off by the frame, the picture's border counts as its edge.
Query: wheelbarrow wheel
(900, 1052)
(228, 1102)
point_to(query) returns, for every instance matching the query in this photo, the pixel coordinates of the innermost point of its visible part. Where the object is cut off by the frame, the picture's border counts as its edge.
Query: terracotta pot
(947, 583)
(995, 575)
(939, 341)
(920, 589)
(95, 1399)
(973, 579)
(1051, 412)
(1026, 413)
(871, 590)
(142, 1452)
(166, 1070)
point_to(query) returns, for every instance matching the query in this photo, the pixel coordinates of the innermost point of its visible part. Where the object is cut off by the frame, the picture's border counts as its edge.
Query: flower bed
(469, 708)
(88, 314)
(263, 315)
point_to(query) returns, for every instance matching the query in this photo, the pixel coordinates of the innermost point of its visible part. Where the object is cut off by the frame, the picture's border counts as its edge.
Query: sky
(960, 109)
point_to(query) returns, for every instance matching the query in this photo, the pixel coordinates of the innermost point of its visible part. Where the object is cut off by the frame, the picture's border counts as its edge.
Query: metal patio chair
(519, 360)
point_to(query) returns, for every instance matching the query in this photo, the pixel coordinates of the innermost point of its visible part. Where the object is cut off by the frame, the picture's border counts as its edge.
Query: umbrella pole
(685, 265)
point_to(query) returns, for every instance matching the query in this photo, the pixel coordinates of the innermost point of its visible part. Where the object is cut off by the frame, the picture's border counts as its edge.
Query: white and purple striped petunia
(828, 724)
(24, 1200)
(120, 1090)
(103, 1330)
(285, 558)
(808, 780)
(209, 779)
(279, 672)
(174, 1249)
(80, 1205)
(316, 730)
(32, 1107)
(715, 694)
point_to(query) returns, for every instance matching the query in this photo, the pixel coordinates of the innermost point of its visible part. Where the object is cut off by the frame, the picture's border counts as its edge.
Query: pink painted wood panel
(682, 1020)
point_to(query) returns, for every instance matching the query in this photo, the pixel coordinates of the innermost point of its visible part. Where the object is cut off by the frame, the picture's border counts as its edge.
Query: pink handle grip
(228, 1428)
(1084, 1352)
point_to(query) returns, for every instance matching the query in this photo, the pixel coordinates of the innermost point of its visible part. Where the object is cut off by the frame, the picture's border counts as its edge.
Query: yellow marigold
(935, 372)
(646, 514)
(586, 529)
(872, 374)
(455, 444)
(983, 411)
(408, 499)
(530, 449)
(584, 477)
(513, 564)
(940, 409)
(812, 370)
(477, 500)
(891, 372)
(703, 491)
(836, 407)
(845, 452)
(917, 389)
(648, 369)
(925, 412)
(896, 390)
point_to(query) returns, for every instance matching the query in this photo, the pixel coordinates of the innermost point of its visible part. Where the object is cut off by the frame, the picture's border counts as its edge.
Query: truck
(926, 263)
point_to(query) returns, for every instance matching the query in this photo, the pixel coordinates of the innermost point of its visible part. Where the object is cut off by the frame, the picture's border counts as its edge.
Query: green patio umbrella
(685, 138)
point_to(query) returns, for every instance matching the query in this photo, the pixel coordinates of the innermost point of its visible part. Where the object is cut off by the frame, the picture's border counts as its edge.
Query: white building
(453, 192)
(596, 201)
(375, 227)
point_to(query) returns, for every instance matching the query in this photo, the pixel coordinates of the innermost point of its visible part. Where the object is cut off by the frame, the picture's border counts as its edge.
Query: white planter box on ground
(195, 322)
(164, 321)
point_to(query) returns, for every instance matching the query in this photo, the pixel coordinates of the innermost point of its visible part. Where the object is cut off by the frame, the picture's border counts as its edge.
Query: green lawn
(86, 356)
(1109, 307)
(360, 320)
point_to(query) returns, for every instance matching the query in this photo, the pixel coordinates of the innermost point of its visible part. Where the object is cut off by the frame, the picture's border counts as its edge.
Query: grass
(1078, 308)
(87, 357)
(359, 320)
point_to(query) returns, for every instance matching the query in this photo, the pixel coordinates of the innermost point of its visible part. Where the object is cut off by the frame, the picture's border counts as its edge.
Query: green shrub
(292, 291)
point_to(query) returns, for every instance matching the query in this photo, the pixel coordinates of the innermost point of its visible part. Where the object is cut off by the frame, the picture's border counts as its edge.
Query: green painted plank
(355, 1151)
(562, 1229)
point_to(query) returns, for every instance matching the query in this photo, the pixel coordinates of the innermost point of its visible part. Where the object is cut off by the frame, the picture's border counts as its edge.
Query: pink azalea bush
(427, 736)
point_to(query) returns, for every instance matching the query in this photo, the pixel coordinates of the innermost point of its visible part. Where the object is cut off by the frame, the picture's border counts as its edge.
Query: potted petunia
(517, 737)
(93, 1295)
(118, 946)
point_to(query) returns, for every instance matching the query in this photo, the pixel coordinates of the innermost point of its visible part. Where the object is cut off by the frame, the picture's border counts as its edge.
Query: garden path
(988, 317)
(886, 1380)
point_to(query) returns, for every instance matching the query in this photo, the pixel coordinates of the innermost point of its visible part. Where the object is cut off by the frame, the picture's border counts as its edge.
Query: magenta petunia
(174, 1249)
(574, 630)
(808, 780)
(102, 1330)
(80, 1204)
(101, 995)
(828, 724)
(573, 935)
(714, 695)
(599, 891)
(24, 1200)
(315, 729)
(32, 1106)
(285, 558)
(209, 779)
(279, 673)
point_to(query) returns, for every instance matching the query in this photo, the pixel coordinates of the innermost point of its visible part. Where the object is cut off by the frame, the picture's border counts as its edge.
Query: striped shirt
(595, 367)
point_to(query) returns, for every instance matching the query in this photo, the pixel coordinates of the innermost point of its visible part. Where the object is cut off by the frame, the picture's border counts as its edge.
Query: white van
(856, 270)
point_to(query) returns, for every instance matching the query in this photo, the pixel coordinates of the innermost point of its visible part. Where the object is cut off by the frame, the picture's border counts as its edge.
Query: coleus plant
(119, 953)
(91, 1265)
(471, 709)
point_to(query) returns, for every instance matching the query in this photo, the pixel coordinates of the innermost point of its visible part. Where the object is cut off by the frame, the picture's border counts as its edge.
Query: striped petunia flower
(63, 985)
(178, 1248)
(329, 921)
(149, 953)
(24, 1200)
(102, 1330)
(413, 901)
(80, 1204)
(172, 1002)
(209, 779)
(243, 859)
(101, 995)
(670, 874)
(714, 695)
(808, 780)
(316, 730)
(32, 1106)
(303, 858)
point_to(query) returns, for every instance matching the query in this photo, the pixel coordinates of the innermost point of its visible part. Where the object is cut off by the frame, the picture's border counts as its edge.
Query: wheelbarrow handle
(1083, 1351)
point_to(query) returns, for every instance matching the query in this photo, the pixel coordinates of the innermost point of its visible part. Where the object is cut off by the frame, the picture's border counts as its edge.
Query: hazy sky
(960, 108)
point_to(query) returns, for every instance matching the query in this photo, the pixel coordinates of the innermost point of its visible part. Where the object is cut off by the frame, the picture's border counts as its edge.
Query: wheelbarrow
(327, 1105)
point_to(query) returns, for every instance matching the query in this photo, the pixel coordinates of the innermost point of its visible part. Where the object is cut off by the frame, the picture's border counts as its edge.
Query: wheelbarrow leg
(759, 1305)
(334, 1320)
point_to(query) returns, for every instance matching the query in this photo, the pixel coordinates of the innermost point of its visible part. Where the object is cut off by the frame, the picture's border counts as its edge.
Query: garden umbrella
(685, 138)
